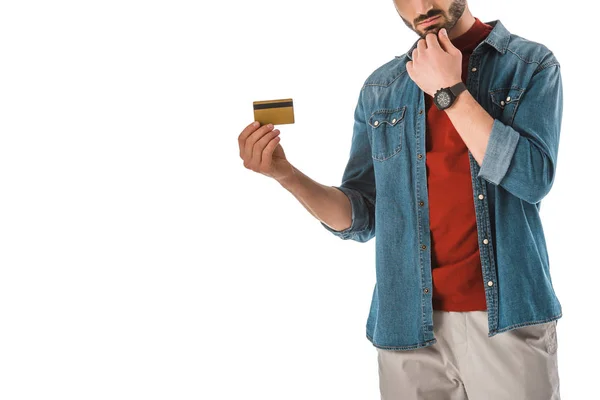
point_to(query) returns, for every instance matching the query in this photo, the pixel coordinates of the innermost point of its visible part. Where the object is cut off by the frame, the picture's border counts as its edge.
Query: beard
(447, 19)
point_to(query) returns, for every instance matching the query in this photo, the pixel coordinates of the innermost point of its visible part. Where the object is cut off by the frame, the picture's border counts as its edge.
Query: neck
(463, 24)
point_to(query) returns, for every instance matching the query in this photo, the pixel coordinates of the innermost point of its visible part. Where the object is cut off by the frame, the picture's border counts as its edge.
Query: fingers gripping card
(276, 112)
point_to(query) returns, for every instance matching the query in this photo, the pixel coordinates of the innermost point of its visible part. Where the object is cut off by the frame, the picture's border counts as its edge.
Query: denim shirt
(518, 82)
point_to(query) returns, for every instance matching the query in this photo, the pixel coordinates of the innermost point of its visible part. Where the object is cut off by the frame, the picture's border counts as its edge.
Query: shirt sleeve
(522, 157)
(358, 181)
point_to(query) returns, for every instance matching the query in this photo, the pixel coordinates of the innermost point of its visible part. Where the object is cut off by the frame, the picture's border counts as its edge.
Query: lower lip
(429, 21)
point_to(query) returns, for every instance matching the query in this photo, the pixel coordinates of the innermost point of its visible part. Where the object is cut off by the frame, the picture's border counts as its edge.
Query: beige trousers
(520, 364)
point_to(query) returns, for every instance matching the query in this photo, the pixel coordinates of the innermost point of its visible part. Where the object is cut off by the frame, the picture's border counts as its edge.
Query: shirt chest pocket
(505, 102)
(387, 130)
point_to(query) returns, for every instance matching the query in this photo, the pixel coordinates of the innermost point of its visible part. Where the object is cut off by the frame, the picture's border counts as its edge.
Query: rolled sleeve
(358, 181)
(521, 156)
(360, 221)
(501, 147)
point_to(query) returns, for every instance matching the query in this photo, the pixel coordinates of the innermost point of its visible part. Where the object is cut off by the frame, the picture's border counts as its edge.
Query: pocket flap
(504, 96)
(390, 117)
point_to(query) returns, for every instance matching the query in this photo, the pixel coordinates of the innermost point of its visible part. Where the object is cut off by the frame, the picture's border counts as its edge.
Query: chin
(433, 29)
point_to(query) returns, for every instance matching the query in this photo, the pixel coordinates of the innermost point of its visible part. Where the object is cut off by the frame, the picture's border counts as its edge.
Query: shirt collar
(498, 38)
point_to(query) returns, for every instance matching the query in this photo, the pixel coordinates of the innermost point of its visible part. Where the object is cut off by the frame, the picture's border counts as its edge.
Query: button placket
(481, 213)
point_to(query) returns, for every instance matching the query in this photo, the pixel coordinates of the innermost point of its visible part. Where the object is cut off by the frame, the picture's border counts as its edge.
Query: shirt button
(426, 290)
(485, 241)
(480, 197)
(423, 246)
(473, 69)
(421, 203)
(502, 102)
(376, 123)
(490, 283)
(419, 156)
(420, 111)
(394, 121)
(508, 99)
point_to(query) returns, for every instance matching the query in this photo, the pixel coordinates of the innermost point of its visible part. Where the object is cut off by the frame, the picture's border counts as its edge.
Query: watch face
(443, 99)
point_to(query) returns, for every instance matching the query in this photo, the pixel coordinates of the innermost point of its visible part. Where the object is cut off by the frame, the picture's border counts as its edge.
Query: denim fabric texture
(518, 82)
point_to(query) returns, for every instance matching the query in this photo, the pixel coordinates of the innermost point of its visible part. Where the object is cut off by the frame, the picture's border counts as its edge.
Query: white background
(139, 259)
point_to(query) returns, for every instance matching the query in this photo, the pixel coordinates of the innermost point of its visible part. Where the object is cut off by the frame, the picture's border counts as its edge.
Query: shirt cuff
(501, 146)
(359, 214)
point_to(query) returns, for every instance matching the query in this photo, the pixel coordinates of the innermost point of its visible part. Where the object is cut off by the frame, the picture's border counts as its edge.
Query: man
(454, 146)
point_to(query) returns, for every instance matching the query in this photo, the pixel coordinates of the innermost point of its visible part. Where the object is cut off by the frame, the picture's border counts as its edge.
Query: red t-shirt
(456, 264)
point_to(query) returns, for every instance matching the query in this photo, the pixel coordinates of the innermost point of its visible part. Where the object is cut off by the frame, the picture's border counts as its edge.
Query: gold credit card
(276, 112)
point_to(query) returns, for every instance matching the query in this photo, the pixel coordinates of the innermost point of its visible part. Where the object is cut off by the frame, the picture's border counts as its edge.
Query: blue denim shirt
(518, 82)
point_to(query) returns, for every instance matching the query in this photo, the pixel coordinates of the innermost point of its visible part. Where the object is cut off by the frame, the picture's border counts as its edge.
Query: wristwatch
(444, 97)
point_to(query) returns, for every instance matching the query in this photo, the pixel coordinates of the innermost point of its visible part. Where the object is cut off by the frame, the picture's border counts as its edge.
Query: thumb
(445, 41)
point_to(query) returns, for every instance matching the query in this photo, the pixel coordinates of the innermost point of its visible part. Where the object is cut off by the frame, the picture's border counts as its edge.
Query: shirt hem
(508, 328)
(410, 347)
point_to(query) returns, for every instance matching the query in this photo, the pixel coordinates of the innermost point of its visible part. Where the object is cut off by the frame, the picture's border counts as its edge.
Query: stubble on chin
(434, 29)
(430, 29)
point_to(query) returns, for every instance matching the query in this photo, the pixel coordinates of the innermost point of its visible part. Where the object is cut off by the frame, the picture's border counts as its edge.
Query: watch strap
(458, 88)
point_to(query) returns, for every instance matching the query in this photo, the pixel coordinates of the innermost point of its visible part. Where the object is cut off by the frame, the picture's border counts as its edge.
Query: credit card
(276, 112)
